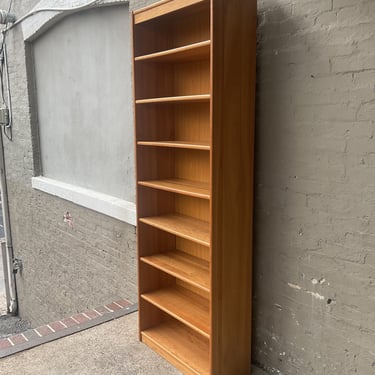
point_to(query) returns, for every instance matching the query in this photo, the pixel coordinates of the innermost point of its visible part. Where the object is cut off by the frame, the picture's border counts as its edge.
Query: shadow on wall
(272, 176)
(298, 158)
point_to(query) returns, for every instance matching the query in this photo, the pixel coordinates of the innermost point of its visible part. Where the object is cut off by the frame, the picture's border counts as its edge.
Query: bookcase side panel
(233, 98)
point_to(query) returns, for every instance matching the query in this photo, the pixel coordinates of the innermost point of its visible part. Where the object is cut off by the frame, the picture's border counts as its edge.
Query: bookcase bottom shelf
(179, 345)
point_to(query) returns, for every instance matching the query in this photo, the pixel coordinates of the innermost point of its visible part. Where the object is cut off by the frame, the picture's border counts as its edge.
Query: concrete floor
(109, 349)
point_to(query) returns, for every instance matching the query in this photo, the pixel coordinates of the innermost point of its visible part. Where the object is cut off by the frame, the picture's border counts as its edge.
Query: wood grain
(192, 52)
(233, 100)
(161, 8)
(195, 94)
(176, 144)
(183, 266)
(184, 226)
(183, 305)
(184, 348)
(179, 186)
(175, 99)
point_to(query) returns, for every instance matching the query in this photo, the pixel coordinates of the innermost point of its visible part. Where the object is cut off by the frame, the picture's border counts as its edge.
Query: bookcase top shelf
(163, 8)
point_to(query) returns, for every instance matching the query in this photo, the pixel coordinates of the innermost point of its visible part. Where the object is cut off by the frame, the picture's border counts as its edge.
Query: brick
(69, 322)
(80, 318)
(91, 314)
(113, 306)
(57, 326)
(123, 303)
(17, 339)
(4, 343)
(102, 310)
(43, 330)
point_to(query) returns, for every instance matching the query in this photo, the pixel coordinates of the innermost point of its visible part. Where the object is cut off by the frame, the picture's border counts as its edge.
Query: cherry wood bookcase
(194, 87)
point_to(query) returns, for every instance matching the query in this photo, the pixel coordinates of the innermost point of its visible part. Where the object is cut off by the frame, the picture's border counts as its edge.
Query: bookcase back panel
(149, 316)
(153, 279)
(154, 241)
(205, 295)
(164, 80)
(155, 202)
(192, 248)
(174, 122)
(192, 165)
(155, 122)
(192, 122)
(193, 207)
(155, 163)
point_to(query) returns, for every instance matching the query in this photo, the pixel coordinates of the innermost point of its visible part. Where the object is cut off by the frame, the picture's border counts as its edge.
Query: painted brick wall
(65, 270)
(315, 186)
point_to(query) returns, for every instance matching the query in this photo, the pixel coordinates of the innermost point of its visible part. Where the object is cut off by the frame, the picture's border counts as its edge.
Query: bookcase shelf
(176, 99)
(183, 305)
(194, 90)
(177, 144)
(183, 266)
(192, 52)
(186, 227)
(190, 188)
(180, 345)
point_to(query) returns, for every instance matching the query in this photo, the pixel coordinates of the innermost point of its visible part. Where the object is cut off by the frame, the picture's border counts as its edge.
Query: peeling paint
(294, 286)
(316, 295)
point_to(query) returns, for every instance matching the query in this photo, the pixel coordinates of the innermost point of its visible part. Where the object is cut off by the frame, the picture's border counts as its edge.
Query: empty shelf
(176, 99)
(176, 144)
(191, 52)
(185, 187)
(183, 226)
(184, 348)
(183, 305)
(182, 266)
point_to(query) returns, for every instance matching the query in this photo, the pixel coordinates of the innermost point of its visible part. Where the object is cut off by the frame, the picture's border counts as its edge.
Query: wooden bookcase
(194, 88)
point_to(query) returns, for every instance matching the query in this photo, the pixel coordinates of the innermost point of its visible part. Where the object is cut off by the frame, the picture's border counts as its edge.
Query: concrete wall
(64, 269)
(313, 258)
(83, 86)
(314, 264)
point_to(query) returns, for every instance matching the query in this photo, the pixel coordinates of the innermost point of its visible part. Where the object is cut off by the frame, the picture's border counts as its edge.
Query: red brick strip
(64, 327)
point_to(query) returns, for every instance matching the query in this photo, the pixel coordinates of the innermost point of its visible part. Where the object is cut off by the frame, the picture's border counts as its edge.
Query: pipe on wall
(10, 277)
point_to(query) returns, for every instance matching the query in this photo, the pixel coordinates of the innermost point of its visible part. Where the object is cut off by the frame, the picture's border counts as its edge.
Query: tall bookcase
(194, 88)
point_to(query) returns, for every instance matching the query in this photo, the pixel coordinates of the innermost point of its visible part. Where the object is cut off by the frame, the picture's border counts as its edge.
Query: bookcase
(194, 88)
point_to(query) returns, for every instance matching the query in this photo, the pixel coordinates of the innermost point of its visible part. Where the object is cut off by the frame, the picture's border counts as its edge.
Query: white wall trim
(117, 208)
